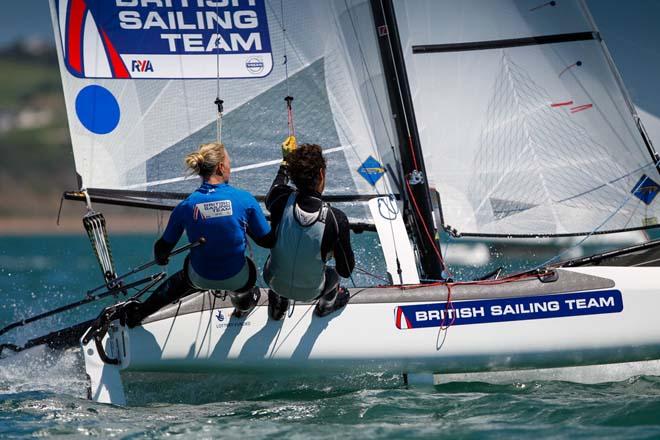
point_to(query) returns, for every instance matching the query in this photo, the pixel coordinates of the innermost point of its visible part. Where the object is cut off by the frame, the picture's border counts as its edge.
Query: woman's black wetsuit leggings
(179, 285)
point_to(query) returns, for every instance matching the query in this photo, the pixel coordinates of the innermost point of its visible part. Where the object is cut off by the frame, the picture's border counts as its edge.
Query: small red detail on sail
(118, 68)
(76, 21)
(579, 108)
(383, 31)
(560, 104)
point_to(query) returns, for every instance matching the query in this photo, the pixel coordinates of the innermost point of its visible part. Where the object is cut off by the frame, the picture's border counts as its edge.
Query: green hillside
(37, 164)
(26, 78)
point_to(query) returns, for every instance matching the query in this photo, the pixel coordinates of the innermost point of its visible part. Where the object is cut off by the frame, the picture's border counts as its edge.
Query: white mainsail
(140, 85)
(524, 126)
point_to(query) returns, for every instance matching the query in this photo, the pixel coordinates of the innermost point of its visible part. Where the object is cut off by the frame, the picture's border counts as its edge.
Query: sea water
(43, 392)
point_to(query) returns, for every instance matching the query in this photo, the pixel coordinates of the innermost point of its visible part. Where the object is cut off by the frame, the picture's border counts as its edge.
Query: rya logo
(142, 66)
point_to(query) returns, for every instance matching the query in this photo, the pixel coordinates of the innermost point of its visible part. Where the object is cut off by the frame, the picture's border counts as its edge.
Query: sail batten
(503, 44)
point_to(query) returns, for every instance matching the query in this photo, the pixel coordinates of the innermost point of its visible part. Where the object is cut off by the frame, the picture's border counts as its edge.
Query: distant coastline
(116, 224)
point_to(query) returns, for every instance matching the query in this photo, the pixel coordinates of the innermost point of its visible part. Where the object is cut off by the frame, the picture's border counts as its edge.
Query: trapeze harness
(296, 268)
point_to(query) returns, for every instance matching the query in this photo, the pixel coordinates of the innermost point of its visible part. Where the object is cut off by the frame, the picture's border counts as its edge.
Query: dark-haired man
(309, 233)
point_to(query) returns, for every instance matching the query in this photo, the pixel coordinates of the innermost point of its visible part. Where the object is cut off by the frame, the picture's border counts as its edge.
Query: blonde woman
(224, 216)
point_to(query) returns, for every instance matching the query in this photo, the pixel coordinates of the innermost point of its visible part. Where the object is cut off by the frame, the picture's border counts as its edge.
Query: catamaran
(499, 118)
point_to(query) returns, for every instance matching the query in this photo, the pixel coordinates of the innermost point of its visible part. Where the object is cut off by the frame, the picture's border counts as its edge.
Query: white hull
(365, 334)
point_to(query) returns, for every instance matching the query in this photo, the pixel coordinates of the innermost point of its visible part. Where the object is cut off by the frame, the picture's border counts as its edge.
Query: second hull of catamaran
(585, 316)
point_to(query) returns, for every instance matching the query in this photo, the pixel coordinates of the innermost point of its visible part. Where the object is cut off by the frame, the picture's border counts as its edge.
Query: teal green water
(42, 392)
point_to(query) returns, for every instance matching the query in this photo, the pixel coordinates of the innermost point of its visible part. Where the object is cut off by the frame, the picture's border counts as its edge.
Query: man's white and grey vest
(296, 269)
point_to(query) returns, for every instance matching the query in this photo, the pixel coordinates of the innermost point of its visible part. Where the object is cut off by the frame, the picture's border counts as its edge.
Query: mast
(410, 151)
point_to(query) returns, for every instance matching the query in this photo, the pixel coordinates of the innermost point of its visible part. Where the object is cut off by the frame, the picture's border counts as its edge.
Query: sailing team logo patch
(220, 208)
(168, 39)
(508, 309)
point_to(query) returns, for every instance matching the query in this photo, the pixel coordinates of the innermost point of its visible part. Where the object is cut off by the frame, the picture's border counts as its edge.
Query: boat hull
(377, 332)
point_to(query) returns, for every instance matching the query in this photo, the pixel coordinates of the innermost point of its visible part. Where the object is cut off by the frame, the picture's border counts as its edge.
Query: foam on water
(48, 399)
(44, 370)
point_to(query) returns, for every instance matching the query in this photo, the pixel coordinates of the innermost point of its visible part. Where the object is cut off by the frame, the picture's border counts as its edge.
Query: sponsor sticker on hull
(168, 39)
(508, 309)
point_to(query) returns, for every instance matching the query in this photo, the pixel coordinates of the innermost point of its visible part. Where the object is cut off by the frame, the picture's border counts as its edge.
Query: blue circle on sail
(97, 109)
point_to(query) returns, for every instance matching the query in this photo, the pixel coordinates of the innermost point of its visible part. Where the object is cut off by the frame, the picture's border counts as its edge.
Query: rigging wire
(284, 38)
(632, 215)
(288, 99)
(415, 172)
(393, 209)
(321, 88)
(289, 112)
(218, 102)
(557, 257)
(366, 69)
(387, 133)
(398, 80)
(341, 128)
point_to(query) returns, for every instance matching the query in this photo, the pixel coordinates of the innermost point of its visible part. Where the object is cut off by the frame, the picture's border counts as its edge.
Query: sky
(630, 30)
(629, 27)
(24, 18)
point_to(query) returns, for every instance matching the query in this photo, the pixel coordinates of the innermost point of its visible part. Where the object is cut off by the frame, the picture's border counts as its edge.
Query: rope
(444, 327)
(434, 245)
(371, 274)
(289, 111)
(94, 224)
(449, 305)
(393, 209)
(218, 128)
